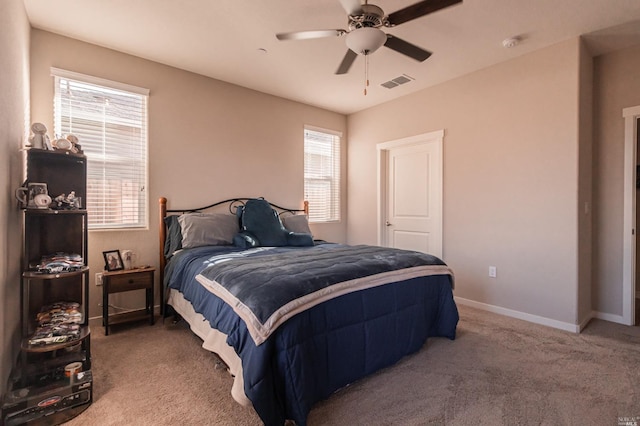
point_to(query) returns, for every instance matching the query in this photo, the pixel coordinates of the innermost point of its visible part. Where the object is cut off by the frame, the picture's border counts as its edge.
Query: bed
(296, 319)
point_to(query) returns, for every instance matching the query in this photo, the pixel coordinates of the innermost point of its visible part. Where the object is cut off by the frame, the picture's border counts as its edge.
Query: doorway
(630, 249)
(636, 287)
(410, 193)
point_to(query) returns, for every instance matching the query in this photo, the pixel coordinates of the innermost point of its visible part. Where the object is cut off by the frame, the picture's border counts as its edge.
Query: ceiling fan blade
(304, 35)
(347, 61)
(406, 48)
(352, 7)
(418, 9)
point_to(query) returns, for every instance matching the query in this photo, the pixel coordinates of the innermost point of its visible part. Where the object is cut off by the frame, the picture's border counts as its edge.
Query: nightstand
(127, 280)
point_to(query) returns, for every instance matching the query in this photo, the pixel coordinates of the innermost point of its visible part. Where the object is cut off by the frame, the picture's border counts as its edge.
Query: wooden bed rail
(163, 237)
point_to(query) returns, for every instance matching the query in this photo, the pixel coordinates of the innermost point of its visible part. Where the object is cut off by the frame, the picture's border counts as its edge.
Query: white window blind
(322, 174)
(110, 121)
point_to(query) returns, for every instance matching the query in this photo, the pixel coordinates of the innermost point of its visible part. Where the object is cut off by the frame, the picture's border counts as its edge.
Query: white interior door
(412, 193)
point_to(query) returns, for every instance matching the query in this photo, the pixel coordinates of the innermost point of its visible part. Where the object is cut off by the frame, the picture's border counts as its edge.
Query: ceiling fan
(364, 35)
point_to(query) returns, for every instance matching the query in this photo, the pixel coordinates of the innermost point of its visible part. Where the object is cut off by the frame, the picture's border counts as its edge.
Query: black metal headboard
(233, 203)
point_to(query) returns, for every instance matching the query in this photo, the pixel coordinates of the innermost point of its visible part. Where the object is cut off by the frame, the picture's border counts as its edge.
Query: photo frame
(112, 260)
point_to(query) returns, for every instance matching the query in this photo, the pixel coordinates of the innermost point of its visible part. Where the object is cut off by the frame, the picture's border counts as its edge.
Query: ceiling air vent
(397, 81)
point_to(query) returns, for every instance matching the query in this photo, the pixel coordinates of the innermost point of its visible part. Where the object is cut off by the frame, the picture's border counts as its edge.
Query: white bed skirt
(213, 341)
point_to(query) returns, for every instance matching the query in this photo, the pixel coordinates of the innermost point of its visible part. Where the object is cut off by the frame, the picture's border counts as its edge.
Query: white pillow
(208, 229)
(296, 223)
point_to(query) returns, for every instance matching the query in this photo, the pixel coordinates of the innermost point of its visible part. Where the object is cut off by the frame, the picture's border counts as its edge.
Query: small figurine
(68, 143)
(59, 201)
(39, 139)
(75, 142)
(73, 202)
(66, 202)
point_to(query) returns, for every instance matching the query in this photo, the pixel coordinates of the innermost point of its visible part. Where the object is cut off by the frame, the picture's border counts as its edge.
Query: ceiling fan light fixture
(366, 40)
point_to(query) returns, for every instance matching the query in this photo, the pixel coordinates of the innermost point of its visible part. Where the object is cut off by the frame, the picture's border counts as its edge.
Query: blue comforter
(327, 346)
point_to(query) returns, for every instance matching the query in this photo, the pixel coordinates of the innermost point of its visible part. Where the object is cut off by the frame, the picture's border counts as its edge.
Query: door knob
(387, 223)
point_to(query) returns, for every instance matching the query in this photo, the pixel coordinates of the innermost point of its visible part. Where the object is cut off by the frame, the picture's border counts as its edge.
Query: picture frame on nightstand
(113, 260)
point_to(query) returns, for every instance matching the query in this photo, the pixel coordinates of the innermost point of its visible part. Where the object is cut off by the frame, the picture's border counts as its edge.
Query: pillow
(296, 223)
(173, 241)
(207, 229)
(262, 222)
(261, 226)
(245, 240)
(299, 239)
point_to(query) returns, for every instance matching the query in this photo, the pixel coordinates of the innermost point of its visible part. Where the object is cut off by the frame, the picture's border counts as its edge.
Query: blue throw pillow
(245, 240)
(261, 226)
(259, 219)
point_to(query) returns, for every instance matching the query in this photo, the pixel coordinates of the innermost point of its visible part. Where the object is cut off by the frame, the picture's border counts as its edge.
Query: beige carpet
(499, 371)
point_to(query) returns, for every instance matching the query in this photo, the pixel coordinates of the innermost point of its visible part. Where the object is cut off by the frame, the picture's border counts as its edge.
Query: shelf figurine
(39, 139)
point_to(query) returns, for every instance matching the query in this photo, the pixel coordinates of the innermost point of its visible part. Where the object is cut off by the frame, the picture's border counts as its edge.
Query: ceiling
(234, 40)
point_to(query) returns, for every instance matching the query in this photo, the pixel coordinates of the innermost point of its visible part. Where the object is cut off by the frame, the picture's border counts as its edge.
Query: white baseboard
(573, 328)
(585, 321)
(610, 317)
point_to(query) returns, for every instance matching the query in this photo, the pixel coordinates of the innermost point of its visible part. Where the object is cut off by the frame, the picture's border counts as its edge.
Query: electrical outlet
(493, 272)
(99, 278)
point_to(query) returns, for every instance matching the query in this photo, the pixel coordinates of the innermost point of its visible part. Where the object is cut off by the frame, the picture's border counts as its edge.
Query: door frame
(383, 148)
(631, 116)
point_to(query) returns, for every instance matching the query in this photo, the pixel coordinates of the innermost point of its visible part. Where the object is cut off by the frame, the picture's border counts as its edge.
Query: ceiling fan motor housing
(371, 17)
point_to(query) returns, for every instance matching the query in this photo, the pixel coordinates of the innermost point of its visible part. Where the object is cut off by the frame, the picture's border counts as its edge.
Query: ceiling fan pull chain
(367, 76)
(366, 73)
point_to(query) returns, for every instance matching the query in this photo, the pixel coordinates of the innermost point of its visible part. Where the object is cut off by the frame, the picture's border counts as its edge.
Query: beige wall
(585, 190)
(510, 177)
(14, 116)
(617, 86)
(208, 140)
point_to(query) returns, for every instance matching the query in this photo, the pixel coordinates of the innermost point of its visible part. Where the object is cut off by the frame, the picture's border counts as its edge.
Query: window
(322, 174)
(110, 121)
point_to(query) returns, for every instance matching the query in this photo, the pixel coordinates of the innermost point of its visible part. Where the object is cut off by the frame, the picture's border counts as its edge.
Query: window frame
(335, 216)
(142, 222)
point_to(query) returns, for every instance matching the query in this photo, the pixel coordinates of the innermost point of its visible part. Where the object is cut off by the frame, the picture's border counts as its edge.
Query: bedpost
(306, 207)
(163, 236)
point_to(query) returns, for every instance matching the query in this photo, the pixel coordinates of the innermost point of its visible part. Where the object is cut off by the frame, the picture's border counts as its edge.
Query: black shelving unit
(39, 389)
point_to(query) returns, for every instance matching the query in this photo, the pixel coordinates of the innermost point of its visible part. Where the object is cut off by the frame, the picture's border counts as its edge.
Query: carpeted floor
(498, 371)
